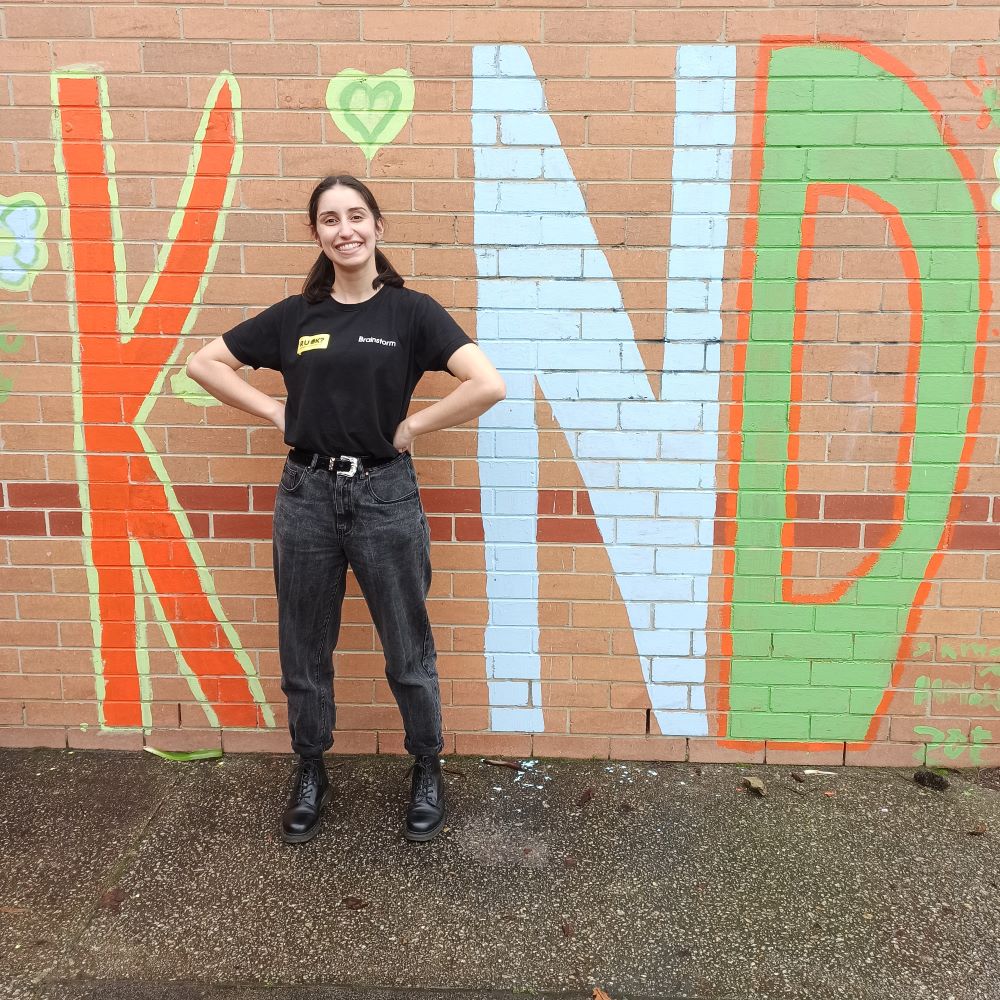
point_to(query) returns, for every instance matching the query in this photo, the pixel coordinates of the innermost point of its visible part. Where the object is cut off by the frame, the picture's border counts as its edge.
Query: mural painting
(810, 669)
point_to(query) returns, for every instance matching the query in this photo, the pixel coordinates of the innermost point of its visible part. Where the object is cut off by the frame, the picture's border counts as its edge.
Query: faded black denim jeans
(374, 523)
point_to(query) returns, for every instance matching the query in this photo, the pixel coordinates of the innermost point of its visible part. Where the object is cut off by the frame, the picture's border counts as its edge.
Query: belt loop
(314, 462)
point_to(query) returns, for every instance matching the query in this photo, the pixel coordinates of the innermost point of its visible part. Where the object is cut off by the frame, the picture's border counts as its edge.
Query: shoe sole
(419, 838)
(301, 838)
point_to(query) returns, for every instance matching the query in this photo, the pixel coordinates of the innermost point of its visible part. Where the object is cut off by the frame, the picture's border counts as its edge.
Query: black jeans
(374, 523)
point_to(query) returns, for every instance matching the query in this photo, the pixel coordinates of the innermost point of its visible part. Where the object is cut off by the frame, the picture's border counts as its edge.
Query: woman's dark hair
(319, 280)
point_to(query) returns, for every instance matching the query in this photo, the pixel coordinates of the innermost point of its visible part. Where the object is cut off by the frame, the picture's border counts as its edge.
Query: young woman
(351, 348)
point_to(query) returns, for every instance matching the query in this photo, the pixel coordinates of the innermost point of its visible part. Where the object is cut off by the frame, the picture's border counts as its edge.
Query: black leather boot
(425, 815)
(310, 792)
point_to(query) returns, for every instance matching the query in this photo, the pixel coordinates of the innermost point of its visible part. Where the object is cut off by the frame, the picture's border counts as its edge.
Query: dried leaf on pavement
(977, 831)
(599, 994)
(585, 796)
(112, 899)
(354, 903)
(756, 786)
(567, 929)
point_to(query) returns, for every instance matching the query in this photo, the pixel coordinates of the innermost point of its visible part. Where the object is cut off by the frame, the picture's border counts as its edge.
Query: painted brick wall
(735, 262)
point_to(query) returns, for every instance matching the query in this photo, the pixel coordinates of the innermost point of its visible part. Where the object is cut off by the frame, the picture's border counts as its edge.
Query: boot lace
(424, 773)
(308, 777)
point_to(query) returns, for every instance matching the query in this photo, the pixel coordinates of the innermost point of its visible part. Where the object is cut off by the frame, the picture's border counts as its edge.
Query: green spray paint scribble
(841, 655)
(370, 110)
(953, 743)
(991, 105)
(8, 345)
(970, 651)
(972, 697)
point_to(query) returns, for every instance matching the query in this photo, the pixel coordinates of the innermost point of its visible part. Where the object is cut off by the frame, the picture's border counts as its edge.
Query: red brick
(826, 534)
(885, 754)
(496, 26)
(648, 748)
(355, 742)
(469, 529)
(164, 738)
(22, 522)
(776, 752)
(708, 750)
(34, 736)
(18, 56)
(143, 22)
(406, 26)
(43, 495)
(977, 537)
(617, 721)
(867, 508)
(241, 526)
(565, 745)
(94, 738)
(450, 501)
(493, 744)
(126, 57)
(189, 57)
(255, 741)
(60, 713)
(675, 26)
(950, 26)
(249, 24)
(568, 529)
(213, 498)
(597, 26)
(46, 21)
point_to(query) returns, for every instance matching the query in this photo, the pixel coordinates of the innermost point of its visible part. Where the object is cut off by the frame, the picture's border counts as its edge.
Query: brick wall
(734, 262)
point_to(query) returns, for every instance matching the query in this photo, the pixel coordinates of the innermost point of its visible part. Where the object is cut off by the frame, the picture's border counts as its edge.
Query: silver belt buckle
(345, 472)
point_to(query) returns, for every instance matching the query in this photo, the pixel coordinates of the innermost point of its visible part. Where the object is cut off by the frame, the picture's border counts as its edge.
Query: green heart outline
(388, 123)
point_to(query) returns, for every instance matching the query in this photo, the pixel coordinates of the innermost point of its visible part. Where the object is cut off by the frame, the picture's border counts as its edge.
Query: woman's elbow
(498, 391)
(195, 368)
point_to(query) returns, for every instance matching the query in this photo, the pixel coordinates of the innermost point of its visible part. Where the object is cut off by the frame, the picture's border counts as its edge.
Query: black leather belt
(343, 465)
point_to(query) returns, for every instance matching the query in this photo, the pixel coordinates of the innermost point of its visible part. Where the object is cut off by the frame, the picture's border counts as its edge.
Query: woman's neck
(353, 287)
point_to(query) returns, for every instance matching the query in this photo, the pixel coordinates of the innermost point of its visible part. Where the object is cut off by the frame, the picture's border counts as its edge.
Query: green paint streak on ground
(850, 646)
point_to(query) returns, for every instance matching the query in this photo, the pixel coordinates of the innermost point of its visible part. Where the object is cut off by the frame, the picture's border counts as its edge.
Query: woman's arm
(214, 368)
(481, 387)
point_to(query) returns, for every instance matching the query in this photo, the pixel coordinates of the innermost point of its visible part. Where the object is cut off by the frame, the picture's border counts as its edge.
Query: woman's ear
(379, 229)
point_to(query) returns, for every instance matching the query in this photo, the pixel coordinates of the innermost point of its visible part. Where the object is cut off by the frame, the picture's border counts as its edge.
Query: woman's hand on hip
(403, 437)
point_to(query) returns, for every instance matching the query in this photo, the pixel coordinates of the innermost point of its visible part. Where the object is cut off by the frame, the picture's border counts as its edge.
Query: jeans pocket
(393, 483)
(292, 476)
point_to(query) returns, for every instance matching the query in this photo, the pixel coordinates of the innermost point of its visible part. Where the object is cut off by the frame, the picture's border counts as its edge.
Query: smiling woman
(351, 349)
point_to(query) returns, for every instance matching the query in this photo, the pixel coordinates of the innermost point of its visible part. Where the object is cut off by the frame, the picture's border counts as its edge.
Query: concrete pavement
(126, 877)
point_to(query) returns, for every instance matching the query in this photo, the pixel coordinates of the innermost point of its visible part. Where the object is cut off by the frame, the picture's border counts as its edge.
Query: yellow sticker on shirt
(313, 343)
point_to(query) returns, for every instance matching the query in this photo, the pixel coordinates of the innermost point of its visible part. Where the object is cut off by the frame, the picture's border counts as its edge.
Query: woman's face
(346, 229)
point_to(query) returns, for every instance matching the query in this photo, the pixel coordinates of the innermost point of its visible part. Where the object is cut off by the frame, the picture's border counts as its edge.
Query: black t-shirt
(349, 370)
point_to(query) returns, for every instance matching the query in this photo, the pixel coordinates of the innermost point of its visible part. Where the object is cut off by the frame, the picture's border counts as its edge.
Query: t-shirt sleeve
(439, 336)
(257, 341)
